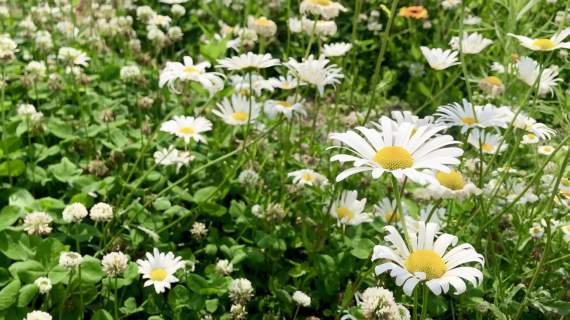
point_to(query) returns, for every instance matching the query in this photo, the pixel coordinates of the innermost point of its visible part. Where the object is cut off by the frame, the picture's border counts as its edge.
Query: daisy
(238, 110)
(427, 261)
(472, 20)
(188, 71)
(416, 12)
(322, 28)
(468, 116)
(323, 8)
(470, 43)
(435, 215)
(452, 185)
(530, 138)
(159, 269)
(308, 177)
(172, 156)
(286, 107)
(536, 231)
(540, 130)
(241, 84)
(336, 49)
(529, 72)
(401, 150)
(263, 26)
(439, 59)
(287, 82)
(408, 117)
(450, 4)
(546, 150)
(349, 210)
(492, 85)
(248, 61)
(316, 72)
(528, 196)
(486, 142)
(187, 128)
(566, 230)
(544, 44)
(386, 209)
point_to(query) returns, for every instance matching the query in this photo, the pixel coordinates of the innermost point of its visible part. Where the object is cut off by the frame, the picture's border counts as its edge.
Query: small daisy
(427, 261)
(540, 130)
(546, 150)
(450, 4)
(415, 12)
(545, 44)
(187, 128)
(536, 231)
(316, 72)
(401, 150)
(38, 315)
(286, 107)
(408, 117)
(248, 61)
(236, 110)
(172, 156)
(386, 209)
(322, 28)
(349, 210)
(259, 84)
(529, 72)
(323, 8)
(530, 138)
(336, 49)
(566, 230)
(437, 215)
(472, 20)
(188, 71)
(527, 197)
(452, 185)
(487, 142)
(492, 85)
(470, 43)
(159, 268)
(263, 26)
(439, 59)
(287, 82)
(468, 116)
(308, 177)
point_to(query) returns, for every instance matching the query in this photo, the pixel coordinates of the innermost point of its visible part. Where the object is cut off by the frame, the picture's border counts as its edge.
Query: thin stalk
(396, 190)
(425, 302)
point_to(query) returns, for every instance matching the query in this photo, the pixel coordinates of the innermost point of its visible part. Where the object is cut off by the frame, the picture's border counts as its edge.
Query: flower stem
(425, 302)
(399, 208)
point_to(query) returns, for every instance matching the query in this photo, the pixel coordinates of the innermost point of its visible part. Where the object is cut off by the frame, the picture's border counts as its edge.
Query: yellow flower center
(285, 104)
(263, 21)
(344, 213)
(308, 177)
(158, 274)
(186, 130)
(495, 81)
(239, 116)
(566, 228)
(531, 136)
(452, 180)
(391, 216)
(393, 158)
(565, 182)
(426, 261)
(487, 147)
(469, 120)
(244, 92)
(191, 69)
(547, 149)
(535, 229)
(544, 44)
(321, 2)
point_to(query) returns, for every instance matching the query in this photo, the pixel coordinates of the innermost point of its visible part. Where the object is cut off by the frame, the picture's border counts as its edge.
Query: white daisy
(248, 61)
(540, 130)
(536, 231)
(566, 230)
(336, 49)
(349, 210)
(187, 128)
(471, 43)
(530, 138)
(287, 82)
(386, 209)
(472, 20)
(486, 142)
(316, 72)
(188, 71)
(236, 110)
(527, 197)
(452, 185)
(468, 116)
(529, 71)
(427, 261)
(323, 8)
(408, 117)
(450, 4)
(308, 177)
(263, 26)
(546, 150)
(241, 84)
(159, 268)
(401, 150)
(545, 44)
(439, 59)
(321, 28)
(172, 156)
(286, 107)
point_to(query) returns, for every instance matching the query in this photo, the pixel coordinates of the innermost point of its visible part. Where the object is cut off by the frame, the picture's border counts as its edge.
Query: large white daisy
(188, 71)
(402, 150)
(248, 61)
(470, 43)
(468, 116)
(486, 142)
(386, 209)
(349, 210)
(159, 268)
(545, 44)
(452, 185)
(540, 130)
(439, 59)
(315, 72)
(287, 107)
(529, 72)
(427, 261)
(187, 127)
(236, 110)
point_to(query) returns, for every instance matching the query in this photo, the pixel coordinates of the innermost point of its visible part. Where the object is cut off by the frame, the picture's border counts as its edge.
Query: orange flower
(416, 12)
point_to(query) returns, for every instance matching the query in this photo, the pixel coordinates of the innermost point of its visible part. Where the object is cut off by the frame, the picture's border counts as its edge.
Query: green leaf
(161, 204)
(362, 248)
(21, 198)
(60, 129)
(91, 271)
(64, 171)
(205, 194)
(15, 245)
(102, 315)
(9, 215)
(27, 271)
(179, 297)
(9, 294)
(27, 293)
(212, 305)
(12, 168)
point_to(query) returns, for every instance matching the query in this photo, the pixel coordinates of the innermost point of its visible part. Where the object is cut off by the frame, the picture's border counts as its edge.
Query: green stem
(425, 302)
(399, 208)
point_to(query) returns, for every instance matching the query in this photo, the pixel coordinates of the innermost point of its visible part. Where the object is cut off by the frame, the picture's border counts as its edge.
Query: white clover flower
(224, 267)
(248, 177)
(130, 73)
(70, 260)
(295, 25)
(175, 33)
(115, 263)
(37, 223)
(177, 10)
(37, 69)
(240, 290)
(322, 28)
(101, 212)
(38, 315)
(44, 284)
(199, 230)
(74, 212)
(8, 47)
(301, 298)
(378, 303)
